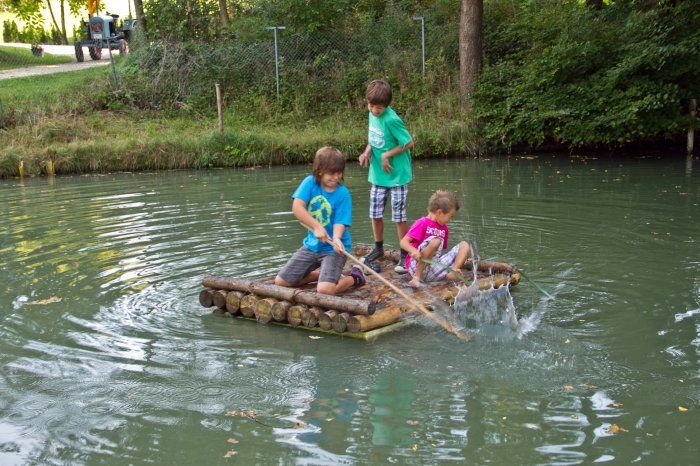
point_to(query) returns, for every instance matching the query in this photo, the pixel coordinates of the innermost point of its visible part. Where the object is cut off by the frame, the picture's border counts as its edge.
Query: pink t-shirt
(424, 228)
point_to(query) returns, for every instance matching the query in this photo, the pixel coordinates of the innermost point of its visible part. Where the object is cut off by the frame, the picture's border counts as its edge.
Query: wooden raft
(363, 313)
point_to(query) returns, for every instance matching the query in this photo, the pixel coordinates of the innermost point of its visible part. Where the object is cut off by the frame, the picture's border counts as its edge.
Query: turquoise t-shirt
(328, 208)
(386, 132)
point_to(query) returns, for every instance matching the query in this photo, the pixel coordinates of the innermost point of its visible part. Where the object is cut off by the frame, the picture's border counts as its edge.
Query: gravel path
(48, 69)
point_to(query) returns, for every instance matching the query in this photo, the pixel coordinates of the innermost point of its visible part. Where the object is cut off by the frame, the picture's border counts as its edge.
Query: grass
(73, 121)
(17, 57)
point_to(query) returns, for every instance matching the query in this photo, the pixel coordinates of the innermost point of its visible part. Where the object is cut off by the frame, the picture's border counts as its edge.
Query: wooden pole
(279, 310)
(233, 301)
(219, 298)
(218, 107)
(248, 305)
(282, 293)
(205, 297)
(691, 129)
(381, 318)
(263, 310)
(325, 319)
(340, 322)
(442, 323)
(294, 314)
(309, 318)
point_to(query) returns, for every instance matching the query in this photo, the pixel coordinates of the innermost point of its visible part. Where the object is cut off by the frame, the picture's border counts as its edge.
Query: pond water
(107, 357)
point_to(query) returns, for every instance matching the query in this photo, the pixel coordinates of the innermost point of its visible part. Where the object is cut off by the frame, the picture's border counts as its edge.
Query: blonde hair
(328, 160)
(444, 201)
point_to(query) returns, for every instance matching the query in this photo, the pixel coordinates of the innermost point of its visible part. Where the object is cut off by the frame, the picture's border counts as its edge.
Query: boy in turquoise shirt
(388, 154)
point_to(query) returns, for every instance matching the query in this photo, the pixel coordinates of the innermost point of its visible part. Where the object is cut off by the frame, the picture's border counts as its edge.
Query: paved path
(48, 69)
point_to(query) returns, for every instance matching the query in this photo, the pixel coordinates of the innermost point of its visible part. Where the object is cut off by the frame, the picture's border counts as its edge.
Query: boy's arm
(386, 166)
(408, 247)
(303, 215)
(338, 230)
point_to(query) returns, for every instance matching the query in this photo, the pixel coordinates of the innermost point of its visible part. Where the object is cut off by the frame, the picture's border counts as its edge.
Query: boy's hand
(386, 166)
(414, 283)
(338, 246)
(321, 234)
(364, 159)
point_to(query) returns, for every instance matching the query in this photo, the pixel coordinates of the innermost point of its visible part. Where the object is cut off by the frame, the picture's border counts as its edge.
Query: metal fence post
(422, 40)
(277, 67)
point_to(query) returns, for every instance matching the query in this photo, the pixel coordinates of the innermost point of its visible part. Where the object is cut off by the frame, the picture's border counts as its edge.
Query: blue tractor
(102, 32)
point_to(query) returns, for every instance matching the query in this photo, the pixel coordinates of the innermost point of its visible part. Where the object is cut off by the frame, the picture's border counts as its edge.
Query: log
(279, 310)
(340, 322)
(294, 314)
(309, 318)
(205, 297)
(248, 305)
(380, 318)
(219, 298)
(325, 319)
(296, 295)
(263, 310)
(233, 301)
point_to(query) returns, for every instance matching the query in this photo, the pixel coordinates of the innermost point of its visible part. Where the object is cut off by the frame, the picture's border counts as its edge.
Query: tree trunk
(340, 322)
(379, 319)
(140, 20)
(205, 297)
(64, 34)
(279, 310)
(233, 301)
(470, 19)
(248, 305)
(224, 14)
(309, 318)
(325, 319)
(263, 309)
(219, 298)
(294, 314)
(53, 17)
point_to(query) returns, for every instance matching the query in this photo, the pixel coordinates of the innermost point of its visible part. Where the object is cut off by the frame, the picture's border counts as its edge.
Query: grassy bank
(72, 121)
(17, 57)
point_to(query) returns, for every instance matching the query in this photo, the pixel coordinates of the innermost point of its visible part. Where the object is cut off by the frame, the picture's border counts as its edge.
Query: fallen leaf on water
(412, 422)
(568, 387)
(232, 440)
(616, 404)
(614, 429)
(649, 435)
(299, 425)
(589, 385)
(52, 299)
(682, 409)
(314, 337)
(567, 341)
(415, 447)
(573, 416)
(230, 453)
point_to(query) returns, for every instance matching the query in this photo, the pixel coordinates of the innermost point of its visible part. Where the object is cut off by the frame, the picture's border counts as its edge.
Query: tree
(141, 20)
(224, 14)
(470, 49)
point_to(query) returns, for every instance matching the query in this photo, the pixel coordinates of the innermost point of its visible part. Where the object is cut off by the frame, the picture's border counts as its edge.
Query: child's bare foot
(414, 283)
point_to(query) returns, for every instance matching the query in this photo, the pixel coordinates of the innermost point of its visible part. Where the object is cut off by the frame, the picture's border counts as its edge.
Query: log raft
(364, 313)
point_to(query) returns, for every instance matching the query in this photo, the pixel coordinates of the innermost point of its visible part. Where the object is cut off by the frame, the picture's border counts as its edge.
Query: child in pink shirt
(427, 238)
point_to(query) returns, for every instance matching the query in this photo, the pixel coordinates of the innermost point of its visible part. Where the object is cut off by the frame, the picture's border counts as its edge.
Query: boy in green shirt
(388, 154)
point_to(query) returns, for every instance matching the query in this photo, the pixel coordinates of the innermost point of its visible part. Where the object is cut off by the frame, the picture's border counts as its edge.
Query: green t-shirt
(386, 132)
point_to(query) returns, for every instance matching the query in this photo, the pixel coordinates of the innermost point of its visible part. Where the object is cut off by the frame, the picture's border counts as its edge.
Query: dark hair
(443, 200)
(378, 92)
(328, 160)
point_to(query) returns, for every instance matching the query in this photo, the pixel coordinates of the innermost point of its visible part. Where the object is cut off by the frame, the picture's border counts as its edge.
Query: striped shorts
(377, 202)
(433, 272)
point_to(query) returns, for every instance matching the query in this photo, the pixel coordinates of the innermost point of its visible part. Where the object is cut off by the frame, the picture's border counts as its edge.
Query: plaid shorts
(377, 202)
(433, 272)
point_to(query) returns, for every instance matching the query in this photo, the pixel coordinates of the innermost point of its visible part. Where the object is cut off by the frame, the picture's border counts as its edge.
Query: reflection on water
(105, 356)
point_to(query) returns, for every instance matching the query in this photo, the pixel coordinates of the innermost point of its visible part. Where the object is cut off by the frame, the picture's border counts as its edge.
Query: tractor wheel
(123, 47)
(95, 52)
(79, 52)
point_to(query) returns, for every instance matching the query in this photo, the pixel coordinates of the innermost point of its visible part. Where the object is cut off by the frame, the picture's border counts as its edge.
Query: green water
(127, 368)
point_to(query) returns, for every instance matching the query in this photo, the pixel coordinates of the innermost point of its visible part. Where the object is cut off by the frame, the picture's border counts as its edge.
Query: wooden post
(378, 319)
(248, 305)
(219, 298)
(691, 129)
(325, 319)
(218, 107)
(233, 301)
(279, 310)
(21, 168)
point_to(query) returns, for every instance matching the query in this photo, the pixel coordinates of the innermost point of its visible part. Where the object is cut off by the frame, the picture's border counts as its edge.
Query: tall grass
(17, 57)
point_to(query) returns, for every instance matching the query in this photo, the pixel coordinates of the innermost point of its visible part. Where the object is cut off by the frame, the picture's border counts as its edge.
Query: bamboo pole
(294, 314)
(233, 301)
(325, 319)
(279, 310)
(340, 322)
(248, 305)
